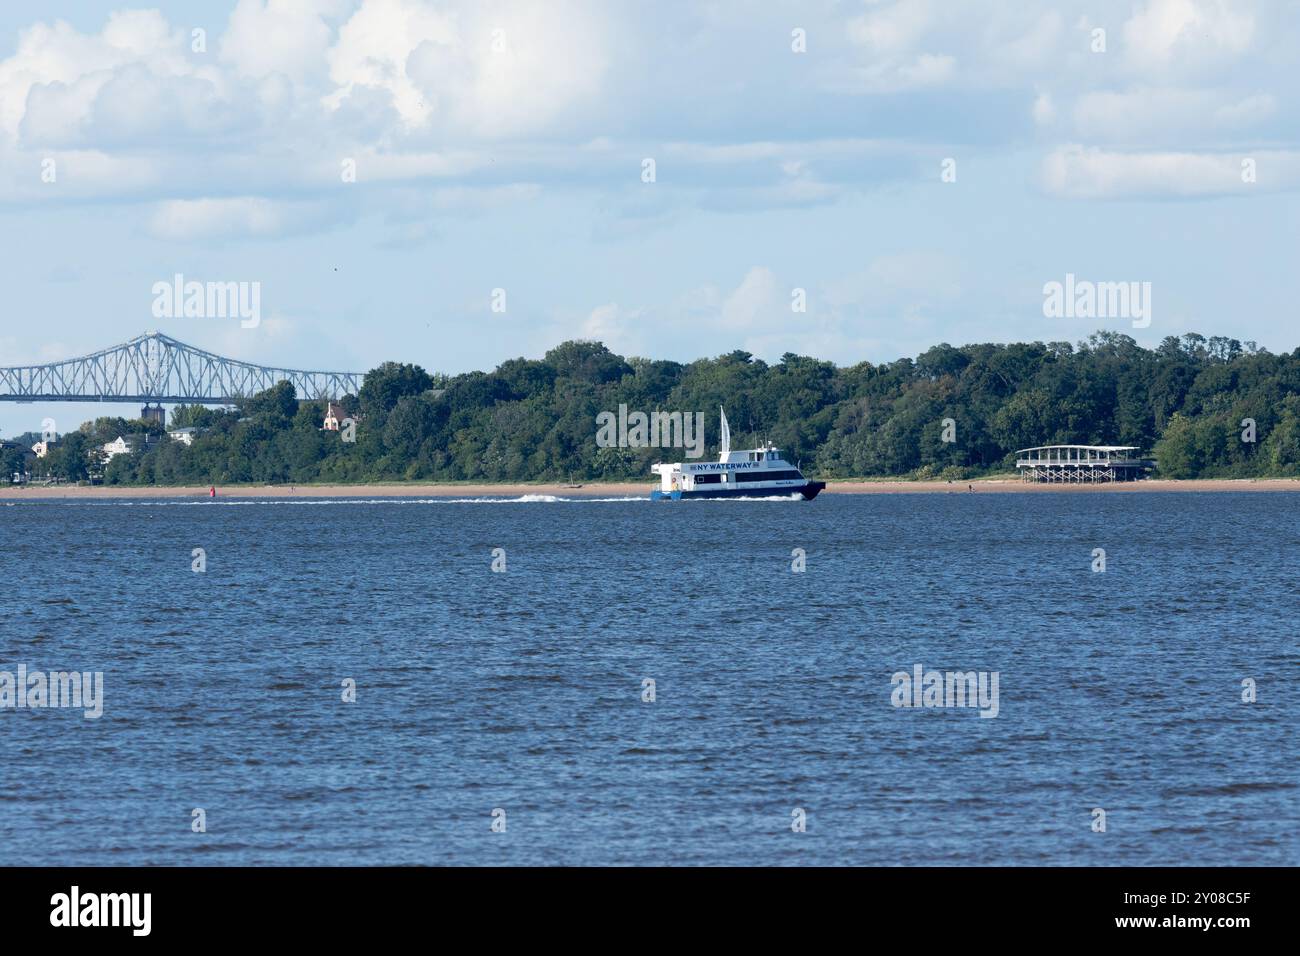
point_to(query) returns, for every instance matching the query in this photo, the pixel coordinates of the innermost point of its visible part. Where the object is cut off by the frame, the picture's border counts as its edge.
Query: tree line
(1203, 407)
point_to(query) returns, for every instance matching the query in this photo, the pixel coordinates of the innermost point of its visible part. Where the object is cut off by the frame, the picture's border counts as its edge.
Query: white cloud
(1044, 111)
(1037, 47)
(892, 296)
(622, 330)
(520, 68)
(1075, 172)
(519, 98)
(1187, 34)
(917, 44)
(497, 72)
(373, 48)
(1246, 112)
(928, 69)
(888, 38)
(1152, 115)
(289, 37)
(248, 217)
(58, 54)
(893, 29)
(756, 303)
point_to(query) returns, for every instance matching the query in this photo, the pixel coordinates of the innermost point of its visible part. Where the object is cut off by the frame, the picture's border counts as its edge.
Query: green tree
(389, 382)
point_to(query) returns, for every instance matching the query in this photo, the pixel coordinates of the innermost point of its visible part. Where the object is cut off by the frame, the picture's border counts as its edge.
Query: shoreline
(638, 489)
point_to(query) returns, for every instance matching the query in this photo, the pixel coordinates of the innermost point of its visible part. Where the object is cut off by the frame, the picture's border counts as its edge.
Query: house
(334, 417)
(114, 448)
(128, 445)
(42, 448)
(183, 435)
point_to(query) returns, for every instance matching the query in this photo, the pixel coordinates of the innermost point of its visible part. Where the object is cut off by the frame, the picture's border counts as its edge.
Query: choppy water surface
(523, 690)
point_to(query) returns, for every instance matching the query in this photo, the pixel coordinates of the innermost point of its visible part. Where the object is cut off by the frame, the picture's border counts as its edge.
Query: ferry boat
(754, 473)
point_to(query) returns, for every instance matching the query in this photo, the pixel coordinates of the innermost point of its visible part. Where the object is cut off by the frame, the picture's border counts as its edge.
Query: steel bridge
(156, 368)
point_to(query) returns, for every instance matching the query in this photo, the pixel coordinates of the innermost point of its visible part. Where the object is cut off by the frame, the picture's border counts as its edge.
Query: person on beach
(212, 492)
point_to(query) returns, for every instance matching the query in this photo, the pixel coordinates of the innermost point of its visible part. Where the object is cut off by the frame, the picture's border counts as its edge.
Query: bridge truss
(156, 368)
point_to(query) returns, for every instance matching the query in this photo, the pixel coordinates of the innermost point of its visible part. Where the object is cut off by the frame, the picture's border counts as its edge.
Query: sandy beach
(631, 489)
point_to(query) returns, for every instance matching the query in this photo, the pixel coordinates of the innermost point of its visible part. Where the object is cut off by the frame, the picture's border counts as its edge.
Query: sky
(459, 183)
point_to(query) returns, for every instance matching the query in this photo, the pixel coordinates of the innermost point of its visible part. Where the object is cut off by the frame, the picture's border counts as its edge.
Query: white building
(334, 416)
(42, 448)
(114, 448)
(184, 435)
(1082, 463)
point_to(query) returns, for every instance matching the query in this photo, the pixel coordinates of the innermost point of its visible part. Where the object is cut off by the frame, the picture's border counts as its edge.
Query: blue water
(522, 690)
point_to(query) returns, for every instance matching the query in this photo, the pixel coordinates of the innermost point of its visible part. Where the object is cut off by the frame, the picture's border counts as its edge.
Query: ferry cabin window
(708, 479)
(768, 476)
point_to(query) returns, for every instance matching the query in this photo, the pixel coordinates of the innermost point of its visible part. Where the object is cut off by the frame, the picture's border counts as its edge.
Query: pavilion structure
(1082, 464)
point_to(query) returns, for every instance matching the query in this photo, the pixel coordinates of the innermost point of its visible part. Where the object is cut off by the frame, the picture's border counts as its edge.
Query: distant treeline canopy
(1187, 401)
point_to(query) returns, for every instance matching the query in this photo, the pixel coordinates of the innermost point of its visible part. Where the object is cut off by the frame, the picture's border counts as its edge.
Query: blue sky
(501, 145)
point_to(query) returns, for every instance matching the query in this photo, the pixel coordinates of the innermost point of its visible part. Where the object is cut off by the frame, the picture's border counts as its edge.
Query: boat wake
(251, 502)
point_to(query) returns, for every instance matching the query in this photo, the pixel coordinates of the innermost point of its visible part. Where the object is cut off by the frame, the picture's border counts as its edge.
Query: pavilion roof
(1080, 447)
